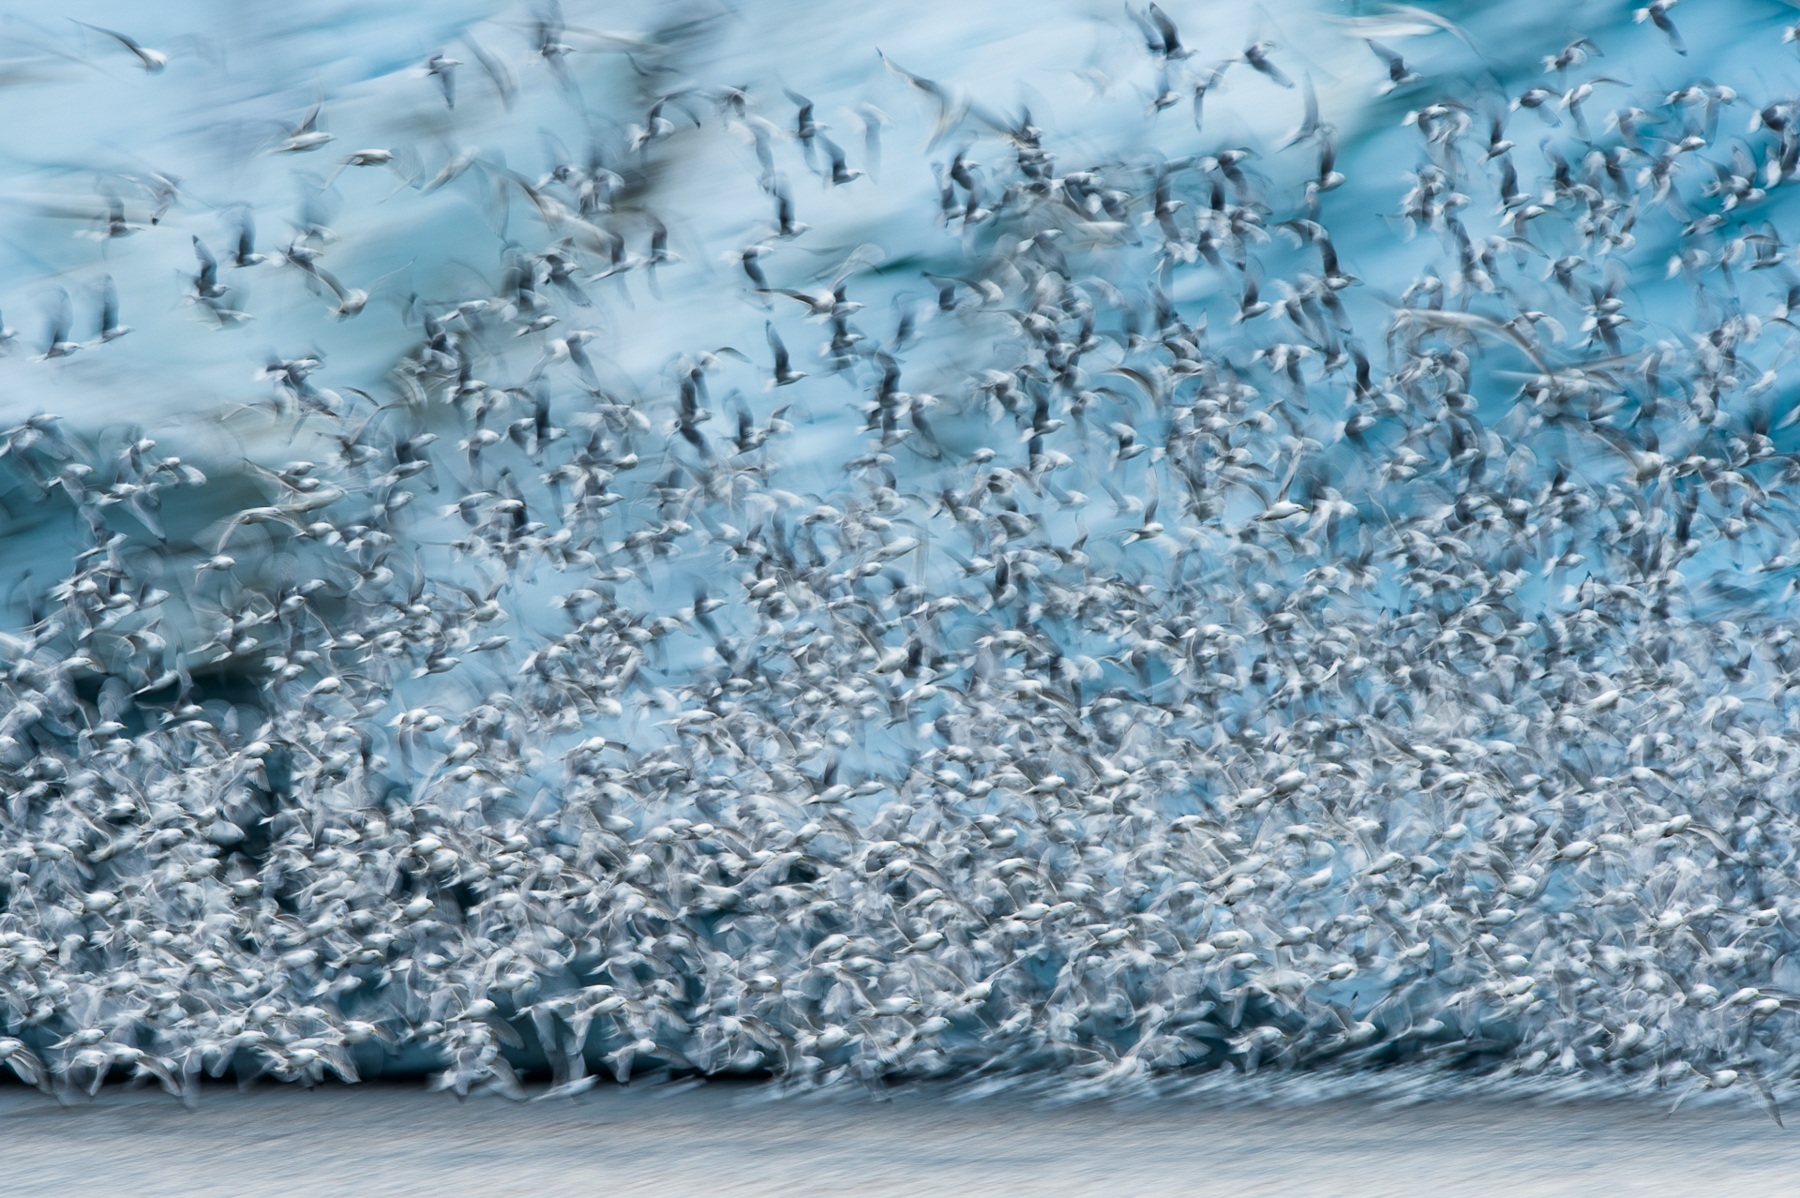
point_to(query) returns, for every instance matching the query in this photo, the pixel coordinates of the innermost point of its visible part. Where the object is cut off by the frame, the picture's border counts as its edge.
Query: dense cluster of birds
(1131, 644)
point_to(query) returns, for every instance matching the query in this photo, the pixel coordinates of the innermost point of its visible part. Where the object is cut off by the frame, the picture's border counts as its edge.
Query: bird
(841, 171)
(110, 327)
(783, 373)
(1398, 74)
(206, 285)
(1281, 507)
(151, 61)
(1657, 13)
(244, 254)
(1161, 37)
(1256, 55)
(61, 316)
(305, 136)
(443, 69)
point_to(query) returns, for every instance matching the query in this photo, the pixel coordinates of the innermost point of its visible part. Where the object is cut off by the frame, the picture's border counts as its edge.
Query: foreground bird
(150, 60)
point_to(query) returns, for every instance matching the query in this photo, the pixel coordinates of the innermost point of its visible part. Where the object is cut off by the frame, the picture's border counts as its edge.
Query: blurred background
(199, 148)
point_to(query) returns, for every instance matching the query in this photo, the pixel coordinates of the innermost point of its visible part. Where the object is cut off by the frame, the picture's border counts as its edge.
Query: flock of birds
(1185, 655)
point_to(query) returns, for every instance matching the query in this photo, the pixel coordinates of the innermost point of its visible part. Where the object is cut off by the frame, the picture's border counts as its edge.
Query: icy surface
(378, 1141)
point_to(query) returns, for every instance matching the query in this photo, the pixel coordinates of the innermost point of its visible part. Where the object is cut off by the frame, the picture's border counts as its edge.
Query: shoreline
(745, 1140)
